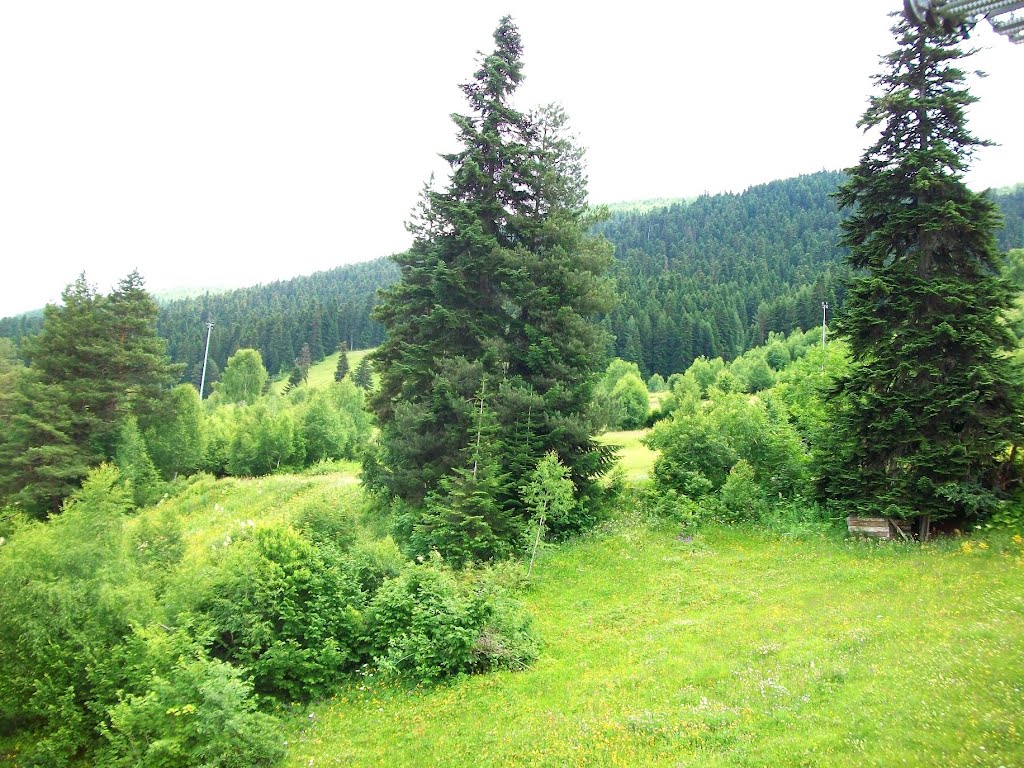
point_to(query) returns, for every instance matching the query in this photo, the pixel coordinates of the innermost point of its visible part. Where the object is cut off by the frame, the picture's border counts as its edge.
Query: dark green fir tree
(930, 408)
(97, 361)
(363, 376)
(342, 370)
(496, 293)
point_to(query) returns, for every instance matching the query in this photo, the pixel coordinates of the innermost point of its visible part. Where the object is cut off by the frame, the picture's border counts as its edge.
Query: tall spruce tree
(495, 297)
(931, 403)
(96, 361)
(342, 370)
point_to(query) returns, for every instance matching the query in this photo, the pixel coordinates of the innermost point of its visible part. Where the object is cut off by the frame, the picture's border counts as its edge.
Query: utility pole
(824, 323)
(206, 355)
(824, 326)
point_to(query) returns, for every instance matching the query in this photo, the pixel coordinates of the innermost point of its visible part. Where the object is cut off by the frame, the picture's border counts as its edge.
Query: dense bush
(290, 432)
(704, 442)
(621, 397)
(145, 639)
(429, 623)
(279, 609)
(79, 664)
(70, 600)
(194, 711)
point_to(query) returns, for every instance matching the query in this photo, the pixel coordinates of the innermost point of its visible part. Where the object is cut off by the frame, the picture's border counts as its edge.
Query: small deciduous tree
(243, 377)
(176, 437)
(549, 495)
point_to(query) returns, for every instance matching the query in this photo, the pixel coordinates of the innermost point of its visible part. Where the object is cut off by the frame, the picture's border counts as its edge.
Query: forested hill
(1011, 203)
(322, 310)
(707, 277)
(714, 276)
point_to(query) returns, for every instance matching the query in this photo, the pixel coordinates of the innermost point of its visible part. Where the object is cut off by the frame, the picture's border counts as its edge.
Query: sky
(222, 143)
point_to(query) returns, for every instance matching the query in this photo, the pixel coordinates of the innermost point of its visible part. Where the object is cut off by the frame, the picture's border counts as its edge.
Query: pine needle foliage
(930, 402)
(501, 284)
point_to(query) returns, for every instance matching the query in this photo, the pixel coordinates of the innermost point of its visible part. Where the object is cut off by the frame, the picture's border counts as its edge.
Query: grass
(655, 399)
(210, 510)
(635, 458)
(321, 374)
(730, 649)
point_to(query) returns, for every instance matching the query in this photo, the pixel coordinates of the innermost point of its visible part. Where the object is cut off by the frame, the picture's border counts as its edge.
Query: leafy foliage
(281, 611)
(244, 378)
(428, 623)
(194, 711)
(136, 468)
(148, 639)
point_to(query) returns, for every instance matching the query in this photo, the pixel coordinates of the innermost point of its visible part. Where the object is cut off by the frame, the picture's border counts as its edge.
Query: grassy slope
(321, 374)
(733, 649)
(635, 458)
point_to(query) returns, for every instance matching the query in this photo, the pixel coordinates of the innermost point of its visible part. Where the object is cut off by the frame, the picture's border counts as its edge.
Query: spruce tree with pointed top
(363, 376)
(502, 280)
(341, 371)
(931, 404)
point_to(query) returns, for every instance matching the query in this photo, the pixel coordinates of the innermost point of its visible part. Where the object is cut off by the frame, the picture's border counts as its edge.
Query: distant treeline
(322, 310)
(710, 277)
(715, 276)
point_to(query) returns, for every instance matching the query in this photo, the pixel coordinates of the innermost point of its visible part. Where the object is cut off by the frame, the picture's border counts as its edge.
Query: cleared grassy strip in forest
(321, 374)
(730, 649)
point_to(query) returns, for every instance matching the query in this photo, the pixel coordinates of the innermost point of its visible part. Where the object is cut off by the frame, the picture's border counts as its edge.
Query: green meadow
(725, 648)
(722, 647)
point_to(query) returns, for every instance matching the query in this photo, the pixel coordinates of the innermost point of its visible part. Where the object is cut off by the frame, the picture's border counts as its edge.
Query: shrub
(192, 710)
(372, 562)
(699, 448)
(263, 440)
(326, 523)
(664, 504)
(631, 396)
(280, 610)
(656, 383)
(741, 498)
(429, 624)
(71, 596)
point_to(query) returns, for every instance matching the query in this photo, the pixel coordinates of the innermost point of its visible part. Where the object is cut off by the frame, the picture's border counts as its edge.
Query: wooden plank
(877, 527)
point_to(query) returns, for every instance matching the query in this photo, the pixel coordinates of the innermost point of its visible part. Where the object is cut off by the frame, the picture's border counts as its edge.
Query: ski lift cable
(961, 15)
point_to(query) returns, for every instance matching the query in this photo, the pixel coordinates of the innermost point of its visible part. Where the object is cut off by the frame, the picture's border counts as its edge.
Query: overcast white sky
(217, 143)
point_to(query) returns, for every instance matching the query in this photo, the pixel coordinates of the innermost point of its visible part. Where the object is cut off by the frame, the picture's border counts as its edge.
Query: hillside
(322, 310)
(712, 276)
